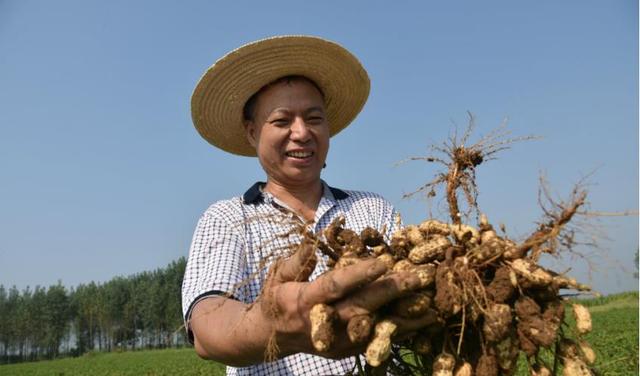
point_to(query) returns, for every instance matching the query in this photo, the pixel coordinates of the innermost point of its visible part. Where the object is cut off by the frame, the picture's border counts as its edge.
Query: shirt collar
(254, 194)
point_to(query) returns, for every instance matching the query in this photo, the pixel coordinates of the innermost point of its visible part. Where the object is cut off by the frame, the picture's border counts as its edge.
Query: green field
(151, 363)
(615, 334)
(614, 338)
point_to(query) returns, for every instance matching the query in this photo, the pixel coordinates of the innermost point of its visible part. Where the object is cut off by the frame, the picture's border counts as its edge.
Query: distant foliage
(614, 338)
(125, 313)
(631, 296)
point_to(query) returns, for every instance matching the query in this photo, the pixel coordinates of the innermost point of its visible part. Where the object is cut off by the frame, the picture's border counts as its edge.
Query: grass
(150, 363)
(615, 335)
(614, 338)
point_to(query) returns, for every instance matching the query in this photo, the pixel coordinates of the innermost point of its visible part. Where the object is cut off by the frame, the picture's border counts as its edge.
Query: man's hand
(237, 334)
(353, 290)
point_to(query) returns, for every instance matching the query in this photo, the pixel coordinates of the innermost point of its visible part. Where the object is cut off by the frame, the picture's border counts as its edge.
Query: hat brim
(220, 95)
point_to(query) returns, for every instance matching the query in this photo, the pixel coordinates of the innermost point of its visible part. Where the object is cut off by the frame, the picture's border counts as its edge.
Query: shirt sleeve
(216, 263)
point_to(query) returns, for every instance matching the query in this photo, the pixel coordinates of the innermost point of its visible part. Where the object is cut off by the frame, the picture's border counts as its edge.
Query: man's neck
(303, 200)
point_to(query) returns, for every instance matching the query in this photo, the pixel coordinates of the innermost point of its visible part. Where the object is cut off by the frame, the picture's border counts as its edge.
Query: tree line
(125, 313)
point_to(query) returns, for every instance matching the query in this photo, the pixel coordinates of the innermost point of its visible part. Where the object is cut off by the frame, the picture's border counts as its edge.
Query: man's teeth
(299, 154)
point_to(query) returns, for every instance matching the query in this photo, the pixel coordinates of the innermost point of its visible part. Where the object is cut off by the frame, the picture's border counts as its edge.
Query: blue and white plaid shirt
(234, 236)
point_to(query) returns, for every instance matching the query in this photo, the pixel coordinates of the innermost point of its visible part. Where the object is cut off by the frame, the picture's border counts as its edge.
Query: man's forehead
(285, 94)
(250, 108)
(290, 80)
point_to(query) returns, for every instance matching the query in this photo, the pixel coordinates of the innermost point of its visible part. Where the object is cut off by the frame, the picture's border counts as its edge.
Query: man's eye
(279, 121)
(315, 119)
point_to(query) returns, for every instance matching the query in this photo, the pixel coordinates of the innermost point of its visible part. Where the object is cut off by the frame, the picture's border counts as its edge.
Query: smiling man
(281, 99)
(287, 125)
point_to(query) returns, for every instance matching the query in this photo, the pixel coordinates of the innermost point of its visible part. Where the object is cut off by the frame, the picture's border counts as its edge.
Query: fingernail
(411, 283)
(377, 269)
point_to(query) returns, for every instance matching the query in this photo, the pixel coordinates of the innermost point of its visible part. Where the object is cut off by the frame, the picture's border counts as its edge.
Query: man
(281, 99)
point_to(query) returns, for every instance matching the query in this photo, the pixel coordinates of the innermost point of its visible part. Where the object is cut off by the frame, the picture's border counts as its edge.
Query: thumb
(299, 266)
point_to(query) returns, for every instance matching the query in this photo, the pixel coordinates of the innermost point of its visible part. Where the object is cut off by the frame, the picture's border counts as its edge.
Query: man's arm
(237, 334)
(229, 331)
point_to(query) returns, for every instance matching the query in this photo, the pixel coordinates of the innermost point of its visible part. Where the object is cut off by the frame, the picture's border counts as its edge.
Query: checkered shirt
(234, 236)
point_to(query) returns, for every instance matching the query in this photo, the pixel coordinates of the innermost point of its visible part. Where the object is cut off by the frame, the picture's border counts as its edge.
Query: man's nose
(299, 130)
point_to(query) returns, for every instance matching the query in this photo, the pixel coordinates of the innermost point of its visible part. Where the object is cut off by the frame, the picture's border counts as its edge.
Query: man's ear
(250, 132)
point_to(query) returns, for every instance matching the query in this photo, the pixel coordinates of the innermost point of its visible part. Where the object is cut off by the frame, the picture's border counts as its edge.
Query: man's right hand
(237, 334)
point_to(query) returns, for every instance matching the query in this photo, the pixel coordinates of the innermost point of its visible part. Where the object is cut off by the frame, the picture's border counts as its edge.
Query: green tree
(86, 316)
(57, 318)
(12, 333)
(21, 321)
(37, 323)
(173, 296)
(141, 310)
(4, 324)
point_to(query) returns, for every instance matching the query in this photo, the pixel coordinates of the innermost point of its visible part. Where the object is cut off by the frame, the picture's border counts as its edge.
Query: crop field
(615, 334)
(150, 363)
(614, 338)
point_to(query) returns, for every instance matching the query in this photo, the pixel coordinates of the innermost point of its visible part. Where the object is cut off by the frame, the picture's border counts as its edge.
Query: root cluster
(492, 301)
(492, 298)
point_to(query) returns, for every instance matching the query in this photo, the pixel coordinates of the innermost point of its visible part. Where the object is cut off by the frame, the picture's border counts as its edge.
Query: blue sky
(103, 174)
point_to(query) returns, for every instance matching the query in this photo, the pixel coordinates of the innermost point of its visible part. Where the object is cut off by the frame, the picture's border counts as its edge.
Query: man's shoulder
(225, 208)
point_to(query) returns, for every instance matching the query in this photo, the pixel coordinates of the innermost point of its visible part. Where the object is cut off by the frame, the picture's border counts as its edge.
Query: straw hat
(223, 90)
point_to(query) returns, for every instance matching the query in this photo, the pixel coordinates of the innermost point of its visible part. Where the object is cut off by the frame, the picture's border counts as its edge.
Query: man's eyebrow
(279, 109)
(287, 111)
(315, 108)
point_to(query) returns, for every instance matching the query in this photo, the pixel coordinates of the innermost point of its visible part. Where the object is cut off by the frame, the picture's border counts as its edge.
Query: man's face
(290, 132)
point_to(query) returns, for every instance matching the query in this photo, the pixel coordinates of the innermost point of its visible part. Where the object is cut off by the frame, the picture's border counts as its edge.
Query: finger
(406, 325)
(377, 293)
(299, 266)
(337, 283)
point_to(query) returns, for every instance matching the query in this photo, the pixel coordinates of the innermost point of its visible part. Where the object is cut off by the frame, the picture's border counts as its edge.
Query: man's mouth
(299, 154)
